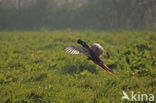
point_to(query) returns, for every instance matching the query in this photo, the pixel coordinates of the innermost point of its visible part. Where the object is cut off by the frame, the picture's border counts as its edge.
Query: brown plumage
(93, 53)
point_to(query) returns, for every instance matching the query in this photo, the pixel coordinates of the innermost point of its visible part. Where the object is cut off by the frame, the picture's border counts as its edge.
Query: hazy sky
(25, 3)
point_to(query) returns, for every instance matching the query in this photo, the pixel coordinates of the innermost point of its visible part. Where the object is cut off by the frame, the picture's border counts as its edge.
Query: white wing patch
(76, 50)
(72, 50)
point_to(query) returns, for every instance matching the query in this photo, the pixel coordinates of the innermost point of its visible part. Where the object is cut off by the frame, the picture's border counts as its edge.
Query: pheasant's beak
(105, 67)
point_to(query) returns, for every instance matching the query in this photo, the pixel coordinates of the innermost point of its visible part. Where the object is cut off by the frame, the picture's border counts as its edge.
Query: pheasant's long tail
(106, 68)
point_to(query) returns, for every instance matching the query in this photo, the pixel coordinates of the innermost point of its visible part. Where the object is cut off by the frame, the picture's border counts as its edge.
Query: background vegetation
(77, 14)
(34, 67)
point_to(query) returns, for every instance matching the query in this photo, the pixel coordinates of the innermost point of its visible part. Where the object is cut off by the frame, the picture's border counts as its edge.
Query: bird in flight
(93, 53)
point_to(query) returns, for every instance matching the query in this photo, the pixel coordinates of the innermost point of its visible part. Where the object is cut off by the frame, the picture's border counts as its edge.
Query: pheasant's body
(93, 55)
(94, 52)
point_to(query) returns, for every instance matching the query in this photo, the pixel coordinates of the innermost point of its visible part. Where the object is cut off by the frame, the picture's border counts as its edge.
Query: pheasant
(93, 53)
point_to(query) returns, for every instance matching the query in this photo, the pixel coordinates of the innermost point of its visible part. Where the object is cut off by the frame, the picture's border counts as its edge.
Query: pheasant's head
(80, 42)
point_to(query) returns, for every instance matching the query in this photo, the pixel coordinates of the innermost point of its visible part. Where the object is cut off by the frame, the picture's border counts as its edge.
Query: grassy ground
(34, 67)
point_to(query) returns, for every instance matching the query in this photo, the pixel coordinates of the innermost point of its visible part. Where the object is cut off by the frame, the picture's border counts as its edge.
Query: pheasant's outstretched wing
(77, 50)
(98, 49)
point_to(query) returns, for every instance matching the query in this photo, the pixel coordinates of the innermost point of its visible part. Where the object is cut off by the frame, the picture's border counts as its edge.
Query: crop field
(35, 68)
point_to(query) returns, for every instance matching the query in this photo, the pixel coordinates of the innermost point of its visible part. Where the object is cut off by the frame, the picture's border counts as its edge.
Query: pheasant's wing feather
(98, 49)
(77, 50)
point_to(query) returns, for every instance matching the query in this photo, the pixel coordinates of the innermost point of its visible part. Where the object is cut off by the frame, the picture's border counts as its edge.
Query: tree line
(75, 14)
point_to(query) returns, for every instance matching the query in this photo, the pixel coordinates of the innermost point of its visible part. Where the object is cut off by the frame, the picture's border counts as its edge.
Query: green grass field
(34, 67)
